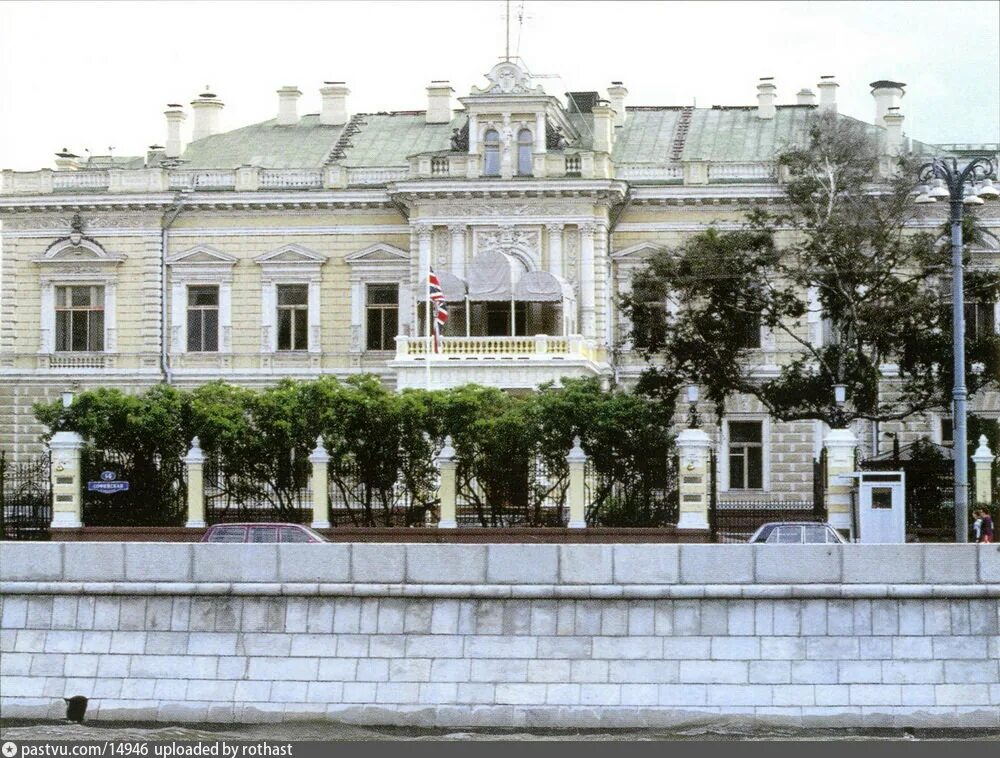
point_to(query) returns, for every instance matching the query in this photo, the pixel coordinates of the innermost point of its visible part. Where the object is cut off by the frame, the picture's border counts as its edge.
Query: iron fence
(523, 490)
(737, 520)
(282, 492)
(930, 486)
(156, 493)
(383, 493)
(25, 498)
(641, 496)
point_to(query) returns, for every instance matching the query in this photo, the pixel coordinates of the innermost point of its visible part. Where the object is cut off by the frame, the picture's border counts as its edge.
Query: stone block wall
(504, 635)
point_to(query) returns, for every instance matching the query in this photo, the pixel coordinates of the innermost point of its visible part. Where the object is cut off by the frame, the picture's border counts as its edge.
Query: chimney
(439, 102)
(207, 108)
(334, 109)
(827, 94)
(604, 133)
(887, 95)
(806, 97)
(765, 97)
(893, 132)
(67, 161)
(288, 106)
(154, 155)
(175, 117)
(617, 93)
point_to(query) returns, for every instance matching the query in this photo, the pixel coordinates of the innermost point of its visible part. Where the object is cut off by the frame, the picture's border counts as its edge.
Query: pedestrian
(977, 526)
(987, 528)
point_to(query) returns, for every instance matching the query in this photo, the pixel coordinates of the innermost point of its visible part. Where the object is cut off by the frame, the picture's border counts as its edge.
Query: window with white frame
(203, 319)
(290, 300)
(382, 316)
(980, 319)
(746, 455)
(748, 331)
(381, 307)
(524, 152)
(293, 316)
(79, 317)
(201, 286)
(491, 153)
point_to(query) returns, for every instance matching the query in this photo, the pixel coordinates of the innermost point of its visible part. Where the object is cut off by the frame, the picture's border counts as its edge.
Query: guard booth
(879, 507)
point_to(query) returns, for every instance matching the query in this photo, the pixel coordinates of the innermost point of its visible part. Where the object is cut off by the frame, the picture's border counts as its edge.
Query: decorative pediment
(380, 252)
(78, 249)
(640, 250)
(508, 78)
(291, 254)
(202, 255)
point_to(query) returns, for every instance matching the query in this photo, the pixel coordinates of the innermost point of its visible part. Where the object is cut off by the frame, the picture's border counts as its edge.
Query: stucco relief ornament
(507, 78)
(76, 229)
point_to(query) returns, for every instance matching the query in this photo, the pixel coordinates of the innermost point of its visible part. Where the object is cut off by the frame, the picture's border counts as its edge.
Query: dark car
(262, 533)
(797, 533)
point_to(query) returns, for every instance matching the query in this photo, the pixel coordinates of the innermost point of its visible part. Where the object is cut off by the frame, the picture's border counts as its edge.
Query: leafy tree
(142, 438)
(840, 235)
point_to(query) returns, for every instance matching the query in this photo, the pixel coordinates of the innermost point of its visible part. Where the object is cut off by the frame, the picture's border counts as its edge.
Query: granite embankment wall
(504, 635)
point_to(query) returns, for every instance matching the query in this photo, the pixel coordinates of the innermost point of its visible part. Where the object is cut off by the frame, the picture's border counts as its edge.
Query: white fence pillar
(840, 445)
(195, 462)
(577, 460)
(693, 446)
(67, 480)
(983, 459)
(319, 459)
(446, 489)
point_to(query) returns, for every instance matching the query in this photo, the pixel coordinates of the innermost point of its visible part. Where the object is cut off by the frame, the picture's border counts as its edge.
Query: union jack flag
(440, 308)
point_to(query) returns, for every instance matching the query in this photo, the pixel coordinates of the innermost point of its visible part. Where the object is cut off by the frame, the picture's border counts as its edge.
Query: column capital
(588, 228)
(555, 227)
(65, 441)
(457, 229)
(423, 230)
(319, 454)
(983, 453)
(195, 455)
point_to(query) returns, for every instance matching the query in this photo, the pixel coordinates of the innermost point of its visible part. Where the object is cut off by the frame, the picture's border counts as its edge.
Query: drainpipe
(169, 216)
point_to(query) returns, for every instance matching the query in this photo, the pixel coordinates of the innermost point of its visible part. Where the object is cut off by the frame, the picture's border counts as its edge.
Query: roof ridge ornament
(507, 78)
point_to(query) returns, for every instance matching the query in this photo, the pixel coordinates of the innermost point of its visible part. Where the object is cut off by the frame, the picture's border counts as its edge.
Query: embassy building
(299, 246)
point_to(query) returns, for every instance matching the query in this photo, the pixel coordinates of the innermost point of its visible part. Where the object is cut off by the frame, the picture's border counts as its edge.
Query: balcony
(505, 362)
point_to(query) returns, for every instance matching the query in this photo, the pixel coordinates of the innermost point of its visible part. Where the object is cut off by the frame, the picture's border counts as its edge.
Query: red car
(261, 533)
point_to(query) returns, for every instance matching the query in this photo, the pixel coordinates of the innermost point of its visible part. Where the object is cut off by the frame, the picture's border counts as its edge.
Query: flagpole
(427, 306)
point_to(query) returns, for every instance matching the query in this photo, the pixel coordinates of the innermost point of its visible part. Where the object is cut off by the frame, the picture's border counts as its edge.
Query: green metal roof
(303, 145)
(649, 135)
(388, 139)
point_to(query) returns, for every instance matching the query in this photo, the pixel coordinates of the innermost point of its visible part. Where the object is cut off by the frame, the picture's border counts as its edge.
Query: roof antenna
(507, 48)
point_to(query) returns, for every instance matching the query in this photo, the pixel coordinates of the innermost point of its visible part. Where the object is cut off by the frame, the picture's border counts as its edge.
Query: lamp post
(839, 398)
(970, 185)
(694, 420)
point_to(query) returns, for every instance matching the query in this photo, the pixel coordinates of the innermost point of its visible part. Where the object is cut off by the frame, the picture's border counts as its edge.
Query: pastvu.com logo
(9, 750)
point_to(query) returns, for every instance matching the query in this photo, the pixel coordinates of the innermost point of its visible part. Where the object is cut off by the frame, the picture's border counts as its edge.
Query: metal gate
(735, 520)
(156, 493)
(25, 498)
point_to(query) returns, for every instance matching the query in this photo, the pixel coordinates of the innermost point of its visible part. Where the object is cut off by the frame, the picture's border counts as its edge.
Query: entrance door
(882, 514)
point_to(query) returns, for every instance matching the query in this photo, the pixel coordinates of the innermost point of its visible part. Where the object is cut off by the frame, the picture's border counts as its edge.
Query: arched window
(491, 153)
(524, 152)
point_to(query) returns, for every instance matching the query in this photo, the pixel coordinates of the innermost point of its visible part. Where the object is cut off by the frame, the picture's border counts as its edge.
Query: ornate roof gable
(507, 78)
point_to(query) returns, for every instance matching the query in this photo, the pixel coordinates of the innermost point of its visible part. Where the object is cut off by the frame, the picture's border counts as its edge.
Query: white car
(797, 533)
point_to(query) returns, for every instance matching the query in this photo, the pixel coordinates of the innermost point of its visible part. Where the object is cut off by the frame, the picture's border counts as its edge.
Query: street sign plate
(107, 486)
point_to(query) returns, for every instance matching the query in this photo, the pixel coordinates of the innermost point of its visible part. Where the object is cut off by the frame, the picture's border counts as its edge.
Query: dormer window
(524, 150)
(491, 153)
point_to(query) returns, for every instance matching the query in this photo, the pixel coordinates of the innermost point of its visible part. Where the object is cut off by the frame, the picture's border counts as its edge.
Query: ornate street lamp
(694, 420)
(839, 417)
(971, 185)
